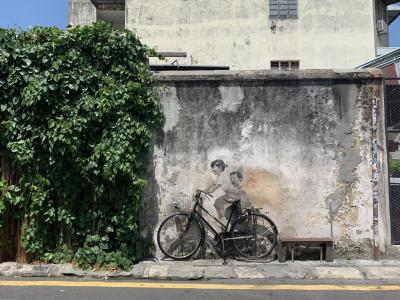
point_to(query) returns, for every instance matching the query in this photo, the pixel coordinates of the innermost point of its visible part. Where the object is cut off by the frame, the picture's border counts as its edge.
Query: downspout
(375, 34)
(375, 178)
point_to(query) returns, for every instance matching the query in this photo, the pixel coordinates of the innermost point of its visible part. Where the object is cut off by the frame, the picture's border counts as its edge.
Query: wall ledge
(269, 75)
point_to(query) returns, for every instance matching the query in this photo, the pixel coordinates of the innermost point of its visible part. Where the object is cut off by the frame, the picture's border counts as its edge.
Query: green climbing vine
(77, 112)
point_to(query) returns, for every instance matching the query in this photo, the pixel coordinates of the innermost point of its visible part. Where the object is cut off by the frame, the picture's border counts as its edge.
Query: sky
(25, 13)
(394, 33)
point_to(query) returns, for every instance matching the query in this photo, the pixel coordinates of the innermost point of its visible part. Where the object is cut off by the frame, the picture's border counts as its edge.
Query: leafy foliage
(77, 111)
(394, 166)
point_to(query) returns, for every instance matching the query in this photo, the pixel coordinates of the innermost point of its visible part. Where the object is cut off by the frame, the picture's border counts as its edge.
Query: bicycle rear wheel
(254, 236)
(180, 236)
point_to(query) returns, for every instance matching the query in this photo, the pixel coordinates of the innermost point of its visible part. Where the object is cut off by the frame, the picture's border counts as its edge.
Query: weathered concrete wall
(300, 140)
(240, 33)
(81, 12)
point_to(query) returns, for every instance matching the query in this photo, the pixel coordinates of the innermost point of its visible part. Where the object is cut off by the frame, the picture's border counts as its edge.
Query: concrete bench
(324, 245)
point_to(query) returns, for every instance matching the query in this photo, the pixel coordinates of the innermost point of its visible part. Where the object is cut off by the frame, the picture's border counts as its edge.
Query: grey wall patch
(171, 107)
(231, 98)
(346, 99)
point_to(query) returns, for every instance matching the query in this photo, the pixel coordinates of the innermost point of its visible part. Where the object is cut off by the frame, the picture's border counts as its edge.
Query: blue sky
(25, 13)
(394, 33)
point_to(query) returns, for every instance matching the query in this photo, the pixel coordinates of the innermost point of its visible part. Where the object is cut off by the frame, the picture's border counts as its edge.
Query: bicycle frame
(203, 221)
(197, 215)
(224, 241)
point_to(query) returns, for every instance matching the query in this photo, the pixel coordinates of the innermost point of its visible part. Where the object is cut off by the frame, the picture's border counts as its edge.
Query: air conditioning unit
(381, 26)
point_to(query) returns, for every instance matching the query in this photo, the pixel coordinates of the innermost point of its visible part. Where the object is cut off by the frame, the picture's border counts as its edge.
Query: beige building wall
(240, 34)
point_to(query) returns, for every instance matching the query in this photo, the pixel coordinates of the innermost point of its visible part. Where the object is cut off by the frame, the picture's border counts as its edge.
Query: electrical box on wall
(381, 26)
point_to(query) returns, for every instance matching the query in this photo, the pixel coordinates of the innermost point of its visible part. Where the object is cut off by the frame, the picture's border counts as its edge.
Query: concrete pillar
(81, 12)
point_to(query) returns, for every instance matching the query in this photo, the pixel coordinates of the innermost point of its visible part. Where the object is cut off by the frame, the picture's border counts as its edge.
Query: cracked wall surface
(300, 140)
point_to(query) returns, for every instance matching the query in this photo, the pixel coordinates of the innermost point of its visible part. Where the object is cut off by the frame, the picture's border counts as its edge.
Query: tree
(77, 112)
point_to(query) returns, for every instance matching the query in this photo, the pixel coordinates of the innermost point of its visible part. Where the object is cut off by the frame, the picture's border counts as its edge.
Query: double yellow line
(201, 286)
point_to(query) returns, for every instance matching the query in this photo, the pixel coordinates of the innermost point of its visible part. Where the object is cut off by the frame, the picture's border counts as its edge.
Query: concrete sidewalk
(214, 269)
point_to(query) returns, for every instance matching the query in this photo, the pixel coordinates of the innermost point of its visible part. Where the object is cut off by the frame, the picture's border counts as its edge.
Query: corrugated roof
(382, 61)
(388, 2)
(393, 12)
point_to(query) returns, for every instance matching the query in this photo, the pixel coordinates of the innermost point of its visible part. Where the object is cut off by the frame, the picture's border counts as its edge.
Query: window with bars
(283, 9)
(285, 65)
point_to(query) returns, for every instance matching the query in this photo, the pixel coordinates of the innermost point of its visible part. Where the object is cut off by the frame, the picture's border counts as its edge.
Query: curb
(214, 269)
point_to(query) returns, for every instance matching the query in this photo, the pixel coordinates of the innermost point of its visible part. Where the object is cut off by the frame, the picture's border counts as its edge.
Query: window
(111, 11)
(285, 65)
(115, 17)
(283, 9)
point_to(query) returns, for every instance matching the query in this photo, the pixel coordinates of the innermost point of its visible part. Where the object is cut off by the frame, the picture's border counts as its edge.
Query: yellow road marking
(199, 286)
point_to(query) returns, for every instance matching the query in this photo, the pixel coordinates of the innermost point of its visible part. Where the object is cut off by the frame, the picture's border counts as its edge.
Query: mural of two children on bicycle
(248, 232)
(226, 188)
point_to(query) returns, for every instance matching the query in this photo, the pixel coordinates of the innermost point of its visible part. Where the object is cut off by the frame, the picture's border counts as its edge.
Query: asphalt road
(72, 289)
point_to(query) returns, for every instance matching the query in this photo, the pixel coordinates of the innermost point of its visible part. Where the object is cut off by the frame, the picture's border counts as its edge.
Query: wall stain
(262, 188)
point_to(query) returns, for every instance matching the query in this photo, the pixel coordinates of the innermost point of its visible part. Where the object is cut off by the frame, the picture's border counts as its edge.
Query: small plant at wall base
(77, 110)
(394, 167)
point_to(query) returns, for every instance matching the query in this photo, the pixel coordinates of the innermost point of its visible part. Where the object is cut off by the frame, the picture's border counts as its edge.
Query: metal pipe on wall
(375, 177)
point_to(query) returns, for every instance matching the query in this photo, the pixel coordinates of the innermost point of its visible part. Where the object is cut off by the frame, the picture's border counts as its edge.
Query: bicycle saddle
(233, 201)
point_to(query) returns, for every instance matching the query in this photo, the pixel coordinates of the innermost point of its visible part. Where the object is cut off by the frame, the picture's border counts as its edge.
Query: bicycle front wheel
(180, 236)
(254, 236)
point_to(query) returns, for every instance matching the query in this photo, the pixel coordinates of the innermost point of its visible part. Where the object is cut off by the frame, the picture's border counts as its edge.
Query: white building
(252, 34)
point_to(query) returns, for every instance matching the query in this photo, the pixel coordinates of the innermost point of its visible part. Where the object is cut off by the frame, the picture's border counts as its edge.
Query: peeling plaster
(231, 98)
(171, 107)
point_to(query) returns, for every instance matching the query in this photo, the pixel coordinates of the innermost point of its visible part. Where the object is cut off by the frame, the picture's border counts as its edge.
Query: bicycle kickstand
(224, 256)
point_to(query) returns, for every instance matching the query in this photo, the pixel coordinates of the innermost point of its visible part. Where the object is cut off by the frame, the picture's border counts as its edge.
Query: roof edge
(382, 61)
(269, 75)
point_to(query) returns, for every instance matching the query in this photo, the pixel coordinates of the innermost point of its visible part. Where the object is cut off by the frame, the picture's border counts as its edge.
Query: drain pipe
(375, 177)
(331, 217)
